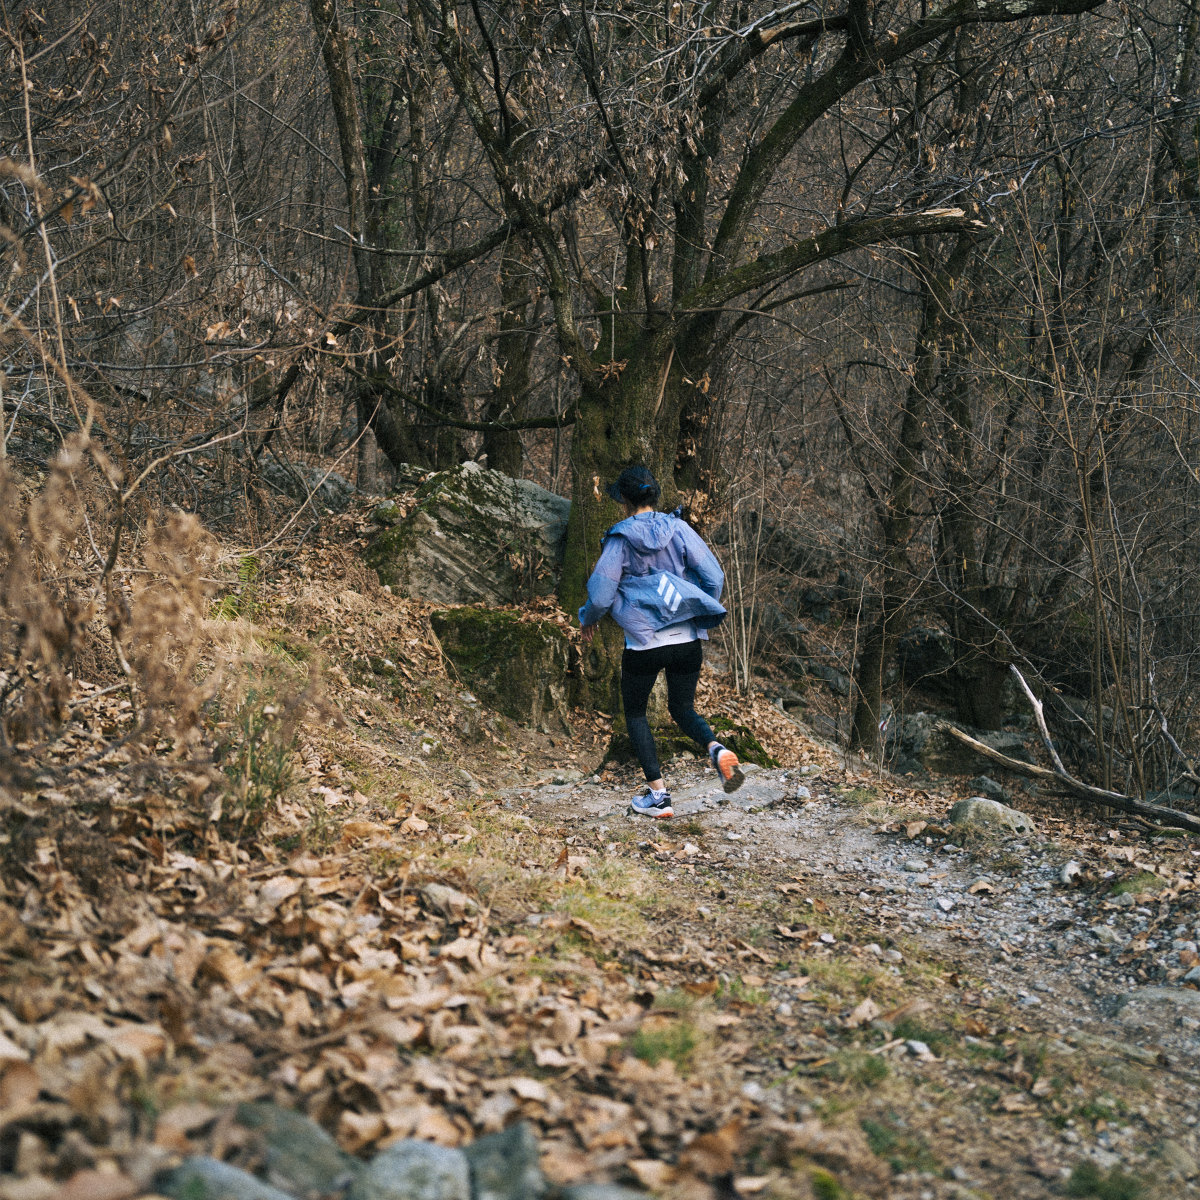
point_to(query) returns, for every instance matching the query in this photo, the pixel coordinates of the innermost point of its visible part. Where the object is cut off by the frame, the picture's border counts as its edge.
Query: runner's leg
(683, 673)
(639, 670)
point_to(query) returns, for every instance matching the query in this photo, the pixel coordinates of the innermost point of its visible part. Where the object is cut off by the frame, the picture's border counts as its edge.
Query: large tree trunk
(513, 350)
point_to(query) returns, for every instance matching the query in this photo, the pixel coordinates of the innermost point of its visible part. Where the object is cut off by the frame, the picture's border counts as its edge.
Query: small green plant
(256, 753)
(826, 1187)
(241, 601)
(857, 1066)
(913, 1031)
(901, 1150)
(675, 1041)
(736, 991)
(1143, 881)
(1088, 1180)
(858, 795)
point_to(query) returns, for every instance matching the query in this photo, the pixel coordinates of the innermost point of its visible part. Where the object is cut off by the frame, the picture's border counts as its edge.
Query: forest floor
(445, 923)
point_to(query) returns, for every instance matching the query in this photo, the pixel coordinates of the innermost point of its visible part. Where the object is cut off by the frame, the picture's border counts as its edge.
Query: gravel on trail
(1050, 941)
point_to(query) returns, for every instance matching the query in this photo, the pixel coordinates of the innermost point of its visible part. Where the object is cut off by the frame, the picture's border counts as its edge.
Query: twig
(1059, 774)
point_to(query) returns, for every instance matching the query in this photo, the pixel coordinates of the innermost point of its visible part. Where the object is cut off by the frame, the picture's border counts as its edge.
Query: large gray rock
(204, 1178)
(922, 741)
(301, 1157)
(504, 1166)
(412, 1170)
(329, 490)
(517, 667)
(989, 816)
(475, 536)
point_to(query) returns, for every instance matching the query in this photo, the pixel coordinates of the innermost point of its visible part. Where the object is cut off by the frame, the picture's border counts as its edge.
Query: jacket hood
(650, 531)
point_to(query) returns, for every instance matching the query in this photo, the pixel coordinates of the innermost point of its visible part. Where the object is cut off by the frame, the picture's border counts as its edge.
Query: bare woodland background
(899, 299)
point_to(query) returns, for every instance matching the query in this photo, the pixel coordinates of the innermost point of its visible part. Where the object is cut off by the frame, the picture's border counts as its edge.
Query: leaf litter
(398, 954)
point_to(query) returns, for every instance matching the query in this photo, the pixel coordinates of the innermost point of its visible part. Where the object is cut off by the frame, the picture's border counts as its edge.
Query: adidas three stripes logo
(669, 592)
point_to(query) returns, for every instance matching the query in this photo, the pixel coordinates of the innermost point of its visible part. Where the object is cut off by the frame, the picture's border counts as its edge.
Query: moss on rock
(516, 666)
(741, 740)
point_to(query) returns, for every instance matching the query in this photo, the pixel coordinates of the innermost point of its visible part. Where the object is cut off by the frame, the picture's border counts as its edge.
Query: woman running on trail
(662, 584)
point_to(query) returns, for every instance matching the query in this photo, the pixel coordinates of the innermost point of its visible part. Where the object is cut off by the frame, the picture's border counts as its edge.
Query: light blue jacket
(654, 570)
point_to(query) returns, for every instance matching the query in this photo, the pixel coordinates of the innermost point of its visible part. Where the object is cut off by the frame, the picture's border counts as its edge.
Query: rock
(1071, 873)
(474, 536)
(914, 865)
(570, 775)
(837, 682)
(1105, 935)
(517, 667)
(504, 1166)
(802, 793)
(945, 903)
(818, 602)
(1155, 1009)
(329, 490)
(300, 1155)
(1176, 1159)
(387, 512)
(924, 741)
(986, 786)
(204, 1178)
(450, 902)
(412, 1170)
(600, 1191)
(981, 813)
(1193, 976)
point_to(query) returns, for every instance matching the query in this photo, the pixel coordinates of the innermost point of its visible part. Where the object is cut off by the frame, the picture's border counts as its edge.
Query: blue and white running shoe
(653, 804)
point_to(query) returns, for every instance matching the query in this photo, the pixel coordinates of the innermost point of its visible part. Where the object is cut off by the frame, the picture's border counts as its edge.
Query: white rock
(980, 812)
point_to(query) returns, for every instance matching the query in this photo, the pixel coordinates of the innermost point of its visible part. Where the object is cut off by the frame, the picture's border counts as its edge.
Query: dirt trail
(1047, 1046)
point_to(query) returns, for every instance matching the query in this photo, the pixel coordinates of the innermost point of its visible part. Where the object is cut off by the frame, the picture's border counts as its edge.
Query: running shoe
(653, 804)
(726, 764)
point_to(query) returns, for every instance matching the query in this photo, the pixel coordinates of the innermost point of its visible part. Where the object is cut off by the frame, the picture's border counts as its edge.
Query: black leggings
(639, 670)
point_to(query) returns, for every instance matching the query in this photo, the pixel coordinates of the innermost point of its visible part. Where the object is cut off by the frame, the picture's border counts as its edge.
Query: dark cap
(635, 485)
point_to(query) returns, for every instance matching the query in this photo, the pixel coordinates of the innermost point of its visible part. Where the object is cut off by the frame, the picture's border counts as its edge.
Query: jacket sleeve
(702, 563)
(604, 581)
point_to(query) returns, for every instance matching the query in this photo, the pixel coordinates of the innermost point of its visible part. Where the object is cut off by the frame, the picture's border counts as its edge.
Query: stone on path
(1155, 1009)
(601, 1191)
(990, 815)
(300, 1155)
(504, 1166)
(204, 1178)
(412, 1170)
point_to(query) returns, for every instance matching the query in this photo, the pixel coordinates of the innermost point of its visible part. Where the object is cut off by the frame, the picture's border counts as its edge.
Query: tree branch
(1059, 774)
(831, 242)
(560, 422)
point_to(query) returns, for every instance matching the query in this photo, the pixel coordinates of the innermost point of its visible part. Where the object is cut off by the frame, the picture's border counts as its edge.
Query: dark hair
(636, 486)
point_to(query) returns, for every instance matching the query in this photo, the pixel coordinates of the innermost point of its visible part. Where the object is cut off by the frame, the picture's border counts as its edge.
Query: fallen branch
(1059, 774)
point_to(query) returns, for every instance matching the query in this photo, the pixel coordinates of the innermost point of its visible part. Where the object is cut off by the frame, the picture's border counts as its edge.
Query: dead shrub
(111, 653)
